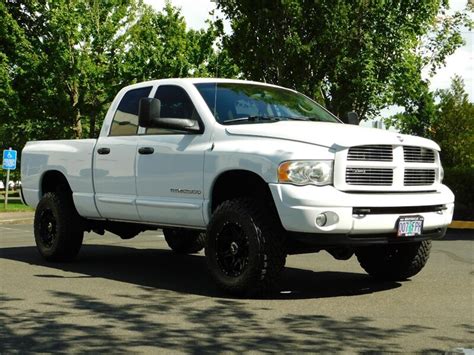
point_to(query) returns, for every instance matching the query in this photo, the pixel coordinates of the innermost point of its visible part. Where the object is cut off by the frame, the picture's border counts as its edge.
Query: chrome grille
(371, 153)
(369, 176)
(418, 155)
(417, 177)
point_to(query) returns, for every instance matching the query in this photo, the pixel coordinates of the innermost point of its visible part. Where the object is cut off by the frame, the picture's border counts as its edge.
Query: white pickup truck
(250, 171)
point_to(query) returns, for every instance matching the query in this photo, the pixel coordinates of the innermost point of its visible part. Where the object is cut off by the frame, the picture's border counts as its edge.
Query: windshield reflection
(237, 103)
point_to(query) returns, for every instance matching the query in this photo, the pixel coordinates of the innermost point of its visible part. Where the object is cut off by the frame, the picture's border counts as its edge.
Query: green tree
(17, 59)
(84, 51)
(453, 128)
(420, 112)
(450, 122)
(351, 55)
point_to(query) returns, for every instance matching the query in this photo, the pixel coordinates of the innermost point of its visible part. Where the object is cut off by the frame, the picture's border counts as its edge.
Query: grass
(14, 206)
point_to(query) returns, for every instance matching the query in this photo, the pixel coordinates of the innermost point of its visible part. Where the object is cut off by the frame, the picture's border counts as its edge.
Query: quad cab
(249, 171)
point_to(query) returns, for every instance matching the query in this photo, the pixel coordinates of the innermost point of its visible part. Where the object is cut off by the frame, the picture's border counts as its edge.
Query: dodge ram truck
(250, 172)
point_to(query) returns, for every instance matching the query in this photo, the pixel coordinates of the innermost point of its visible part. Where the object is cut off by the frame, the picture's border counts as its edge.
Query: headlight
(316, 172)
(441, 173)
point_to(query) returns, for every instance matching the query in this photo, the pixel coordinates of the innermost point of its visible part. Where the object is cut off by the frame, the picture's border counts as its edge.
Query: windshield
(234, 103)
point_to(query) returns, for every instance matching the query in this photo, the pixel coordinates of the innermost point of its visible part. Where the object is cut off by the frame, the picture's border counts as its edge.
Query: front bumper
(298, 207)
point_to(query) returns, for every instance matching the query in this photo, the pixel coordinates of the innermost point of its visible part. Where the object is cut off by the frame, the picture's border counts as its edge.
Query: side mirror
(148, 112)
(149, 116)
(352, 118)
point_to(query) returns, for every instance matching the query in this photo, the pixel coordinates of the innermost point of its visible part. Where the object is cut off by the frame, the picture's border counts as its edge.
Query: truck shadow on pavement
(458, 234)
(163, 269)
(174, 306)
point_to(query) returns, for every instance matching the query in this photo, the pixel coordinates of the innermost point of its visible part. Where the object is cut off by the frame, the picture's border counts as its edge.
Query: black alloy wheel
(47, 228)
(58, 228)
(245, 247)
(232, 250)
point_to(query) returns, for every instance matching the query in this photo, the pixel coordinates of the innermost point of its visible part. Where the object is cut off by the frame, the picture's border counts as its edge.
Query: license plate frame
(409, 226)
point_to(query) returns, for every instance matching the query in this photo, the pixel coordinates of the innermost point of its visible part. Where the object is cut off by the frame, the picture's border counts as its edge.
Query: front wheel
(394, 262)
(57, 227)
(245, 247)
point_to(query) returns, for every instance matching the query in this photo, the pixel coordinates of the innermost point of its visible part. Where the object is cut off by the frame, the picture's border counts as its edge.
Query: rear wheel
(394, 262)
(58, 227)
(245, 247)
(184, 241)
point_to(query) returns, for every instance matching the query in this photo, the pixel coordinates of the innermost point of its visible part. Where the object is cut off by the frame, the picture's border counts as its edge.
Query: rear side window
(125, 122)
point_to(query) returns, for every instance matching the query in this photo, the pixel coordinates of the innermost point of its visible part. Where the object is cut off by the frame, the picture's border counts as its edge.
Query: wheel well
(52, 180)
(239, 183)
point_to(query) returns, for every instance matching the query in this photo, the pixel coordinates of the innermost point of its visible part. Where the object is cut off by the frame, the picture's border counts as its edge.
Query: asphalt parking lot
(137, 296)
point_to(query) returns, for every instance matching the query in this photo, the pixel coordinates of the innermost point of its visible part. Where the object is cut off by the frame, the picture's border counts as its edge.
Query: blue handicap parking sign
(9, 159)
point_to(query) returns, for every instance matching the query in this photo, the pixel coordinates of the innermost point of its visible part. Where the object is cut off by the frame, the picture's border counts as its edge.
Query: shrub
(460, 180)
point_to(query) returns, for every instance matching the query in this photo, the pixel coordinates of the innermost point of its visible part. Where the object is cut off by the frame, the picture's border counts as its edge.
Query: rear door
(170, 165)
(115, 159)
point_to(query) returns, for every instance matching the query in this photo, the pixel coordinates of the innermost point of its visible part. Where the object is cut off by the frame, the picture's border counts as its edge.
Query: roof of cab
(197, 81)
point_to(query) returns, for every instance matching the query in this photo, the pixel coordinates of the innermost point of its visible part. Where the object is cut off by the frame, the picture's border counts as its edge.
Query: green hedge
(460, 180)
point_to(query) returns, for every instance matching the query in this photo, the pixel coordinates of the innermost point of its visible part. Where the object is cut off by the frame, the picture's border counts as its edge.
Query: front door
(170, 166)
(115, 159)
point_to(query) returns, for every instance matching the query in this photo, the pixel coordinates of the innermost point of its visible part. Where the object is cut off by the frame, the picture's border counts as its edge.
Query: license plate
(409, 226)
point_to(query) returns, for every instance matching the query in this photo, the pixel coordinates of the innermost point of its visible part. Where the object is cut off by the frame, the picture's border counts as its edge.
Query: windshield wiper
(310, 118)
(254, 119)
(299, 118)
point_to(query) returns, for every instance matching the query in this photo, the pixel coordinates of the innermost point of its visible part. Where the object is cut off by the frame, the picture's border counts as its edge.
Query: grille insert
(369, 176)
(418, 155)
(371, 153)
(417, 177)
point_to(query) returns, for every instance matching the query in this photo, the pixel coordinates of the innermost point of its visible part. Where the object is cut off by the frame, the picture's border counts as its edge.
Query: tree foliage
(453, 127)
(356, 55)
(63, 61)
(450, 122)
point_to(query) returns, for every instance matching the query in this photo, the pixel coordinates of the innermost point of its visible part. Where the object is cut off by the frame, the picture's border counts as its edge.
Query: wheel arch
(236, 183)
(51, 180)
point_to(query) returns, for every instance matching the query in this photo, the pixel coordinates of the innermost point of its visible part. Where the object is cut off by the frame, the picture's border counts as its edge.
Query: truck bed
(72, 158)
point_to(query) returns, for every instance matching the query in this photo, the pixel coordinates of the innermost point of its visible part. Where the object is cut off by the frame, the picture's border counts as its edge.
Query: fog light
(321, 220)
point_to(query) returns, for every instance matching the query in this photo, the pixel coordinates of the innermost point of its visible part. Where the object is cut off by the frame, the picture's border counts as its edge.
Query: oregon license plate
(409, 226)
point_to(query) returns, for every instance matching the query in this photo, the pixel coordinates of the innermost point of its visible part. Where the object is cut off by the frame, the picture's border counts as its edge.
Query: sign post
(9, 163)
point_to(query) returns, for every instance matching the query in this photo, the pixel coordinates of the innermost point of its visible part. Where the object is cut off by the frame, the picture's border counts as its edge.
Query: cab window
(125, 122)
(175, 103)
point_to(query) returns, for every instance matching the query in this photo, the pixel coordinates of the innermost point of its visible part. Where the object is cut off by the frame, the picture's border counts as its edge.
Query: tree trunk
(77, 128)
(76, 119)
(92, 125)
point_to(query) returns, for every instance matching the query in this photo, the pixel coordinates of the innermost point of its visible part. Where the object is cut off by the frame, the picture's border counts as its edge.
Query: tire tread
(394, 262)
(272, 254)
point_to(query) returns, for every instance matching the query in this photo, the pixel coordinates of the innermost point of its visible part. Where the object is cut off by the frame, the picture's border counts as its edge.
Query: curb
(461, 225)
(17, 221)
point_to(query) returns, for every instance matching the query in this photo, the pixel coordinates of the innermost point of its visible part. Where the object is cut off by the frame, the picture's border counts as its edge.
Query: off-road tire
(394, 262)
(58, 227)
(262, 233)
(184, 241)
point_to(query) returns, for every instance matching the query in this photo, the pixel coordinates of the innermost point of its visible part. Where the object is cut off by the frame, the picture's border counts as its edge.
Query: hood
(328, 134)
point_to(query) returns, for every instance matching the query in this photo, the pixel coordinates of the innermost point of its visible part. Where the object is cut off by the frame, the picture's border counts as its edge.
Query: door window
(175, 103)
(125, 122)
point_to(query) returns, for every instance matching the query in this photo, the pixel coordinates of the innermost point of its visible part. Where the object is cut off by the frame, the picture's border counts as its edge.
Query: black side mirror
(148, 112)
(149, 116)
(352, 118)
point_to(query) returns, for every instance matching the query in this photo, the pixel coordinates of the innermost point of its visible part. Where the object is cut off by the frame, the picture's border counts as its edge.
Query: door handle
(103, 151)
(146, 150)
